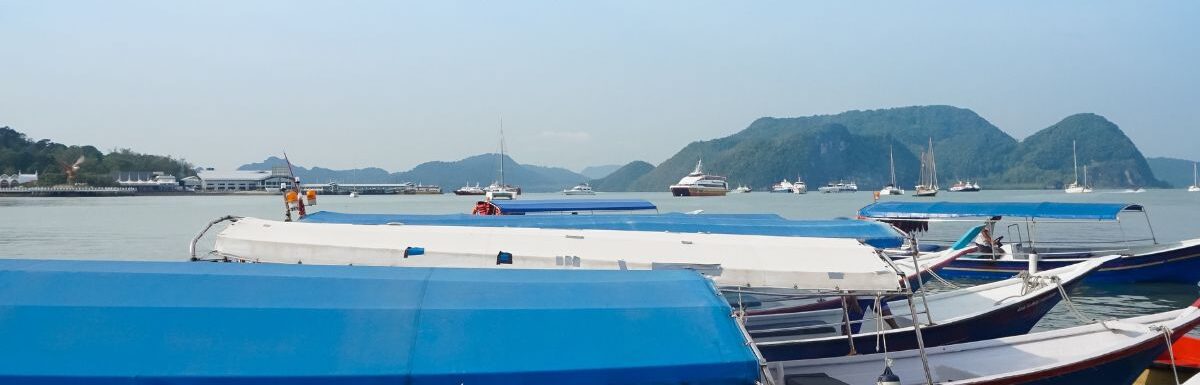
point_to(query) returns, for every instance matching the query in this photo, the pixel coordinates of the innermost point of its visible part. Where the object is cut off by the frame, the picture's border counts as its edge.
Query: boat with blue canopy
(571, 206)
(108, 322)
(1143, 259)
(876, 234)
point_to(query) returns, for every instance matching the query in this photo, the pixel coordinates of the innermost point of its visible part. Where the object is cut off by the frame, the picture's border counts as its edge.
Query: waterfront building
(17, 179)
(148, 181)
(244, 180)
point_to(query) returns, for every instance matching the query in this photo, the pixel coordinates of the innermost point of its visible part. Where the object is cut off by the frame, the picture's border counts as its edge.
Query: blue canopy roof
(1051, 210)
(873, 233)
(217, 323)
(522, 206)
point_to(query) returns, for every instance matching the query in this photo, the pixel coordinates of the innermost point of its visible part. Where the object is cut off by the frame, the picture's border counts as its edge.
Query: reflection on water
(159, 228)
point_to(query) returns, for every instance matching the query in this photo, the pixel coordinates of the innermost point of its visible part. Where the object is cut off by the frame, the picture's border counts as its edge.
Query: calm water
(159, 228)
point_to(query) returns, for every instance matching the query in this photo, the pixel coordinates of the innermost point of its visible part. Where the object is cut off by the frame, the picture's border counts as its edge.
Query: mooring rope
(1166, 333)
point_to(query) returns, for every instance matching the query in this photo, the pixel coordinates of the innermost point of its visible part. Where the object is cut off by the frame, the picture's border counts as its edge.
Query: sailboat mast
(892, 165)
(502, 151)
(1195, 181)
(933, 168)
(1075, 160)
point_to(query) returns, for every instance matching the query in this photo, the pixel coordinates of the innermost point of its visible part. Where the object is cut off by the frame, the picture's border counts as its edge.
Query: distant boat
(799, 187)
(742, 189)
(354, 194)
(892, 188)
(1075, 187)
(499, 189)
(580, 189)
(697, 183)
(967, 186)
(782, 187)
(928, 186)
(1195, 187)
(839, 187)
(470, 190)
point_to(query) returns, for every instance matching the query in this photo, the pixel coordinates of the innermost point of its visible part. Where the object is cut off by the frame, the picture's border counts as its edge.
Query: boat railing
(196, 239)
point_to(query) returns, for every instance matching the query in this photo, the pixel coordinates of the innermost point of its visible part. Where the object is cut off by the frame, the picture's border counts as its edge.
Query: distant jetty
(67, 191)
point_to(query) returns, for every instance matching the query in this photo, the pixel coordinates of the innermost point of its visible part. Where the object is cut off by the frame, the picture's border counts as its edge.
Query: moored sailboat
(892, 188)
(928, 185)
(1195, 187)
(1075, 187)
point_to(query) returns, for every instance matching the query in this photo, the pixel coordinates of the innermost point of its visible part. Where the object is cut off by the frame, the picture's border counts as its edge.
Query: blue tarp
(75, 322)
(522, 206)
(873, 233)
(1050, 210)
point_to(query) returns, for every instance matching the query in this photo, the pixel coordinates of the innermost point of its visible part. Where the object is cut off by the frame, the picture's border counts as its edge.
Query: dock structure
(408, 188)
(68, 191)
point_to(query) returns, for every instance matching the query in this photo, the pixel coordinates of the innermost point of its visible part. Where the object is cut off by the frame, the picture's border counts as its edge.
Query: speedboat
(782, 187)
(1142, 260)
(580, 189)
(697, 183)
(741, 189)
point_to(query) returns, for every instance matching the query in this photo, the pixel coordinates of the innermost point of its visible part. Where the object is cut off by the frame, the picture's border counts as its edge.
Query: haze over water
(160, 227)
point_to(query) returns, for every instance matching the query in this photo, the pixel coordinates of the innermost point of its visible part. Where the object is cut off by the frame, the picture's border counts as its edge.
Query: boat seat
(811, 379)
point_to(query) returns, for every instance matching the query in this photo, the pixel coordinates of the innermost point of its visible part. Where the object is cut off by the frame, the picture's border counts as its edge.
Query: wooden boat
(1184, 359)
(1149, 261)
(999, 309)
(1108, 352)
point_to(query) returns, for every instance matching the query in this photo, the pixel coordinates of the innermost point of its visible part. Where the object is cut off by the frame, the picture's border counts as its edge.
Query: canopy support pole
(921, 288)
(920, 341)
(1146, 213)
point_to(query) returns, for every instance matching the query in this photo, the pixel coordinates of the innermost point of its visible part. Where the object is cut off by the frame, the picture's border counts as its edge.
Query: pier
(67, 191)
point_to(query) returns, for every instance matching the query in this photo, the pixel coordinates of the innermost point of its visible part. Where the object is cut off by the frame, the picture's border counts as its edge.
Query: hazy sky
(392, 84)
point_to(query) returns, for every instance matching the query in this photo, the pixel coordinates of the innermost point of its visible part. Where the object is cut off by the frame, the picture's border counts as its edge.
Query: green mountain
(1044, 159)
(620, 179)
(482, 169)
(854, 146)
(19, 153)
(1176, 172)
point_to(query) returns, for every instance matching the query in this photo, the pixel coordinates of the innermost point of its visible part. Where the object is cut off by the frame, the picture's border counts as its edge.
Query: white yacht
(1075, 187)
(699, 184)
(1195, 187)
(839, 187)
(928, 185)
(580, 189)
(782, 187)
(892, 188)
(742, 189)
(967, 186)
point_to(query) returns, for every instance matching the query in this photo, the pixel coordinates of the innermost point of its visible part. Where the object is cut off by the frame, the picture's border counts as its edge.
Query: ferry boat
(782, 187)
(579, 189)
(697, 183)
(839, 187)
(967, 186)
(470, 190)
(799, 187)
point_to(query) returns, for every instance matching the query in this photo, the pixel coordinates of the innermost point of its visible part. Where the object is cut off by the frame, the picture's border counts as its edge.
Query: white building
(14, 180)
(148, 181)
(243, 180)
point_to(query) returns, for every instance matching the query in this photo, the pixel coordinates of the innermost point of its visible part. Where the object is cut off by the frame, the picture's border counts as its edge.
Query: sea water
(159, 228)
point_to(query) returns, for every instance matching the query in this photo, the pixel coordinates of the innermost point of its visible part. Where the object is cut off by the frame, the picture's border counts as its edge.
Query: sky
(393, 84)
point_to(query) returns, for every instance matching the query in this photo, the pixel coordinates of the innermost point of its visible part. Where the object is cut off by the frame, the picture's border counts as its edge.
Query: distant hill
(854, 146)
(1176, 172)
(620, 179)
(1044, 158)
(480, 169)
(597, 172)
